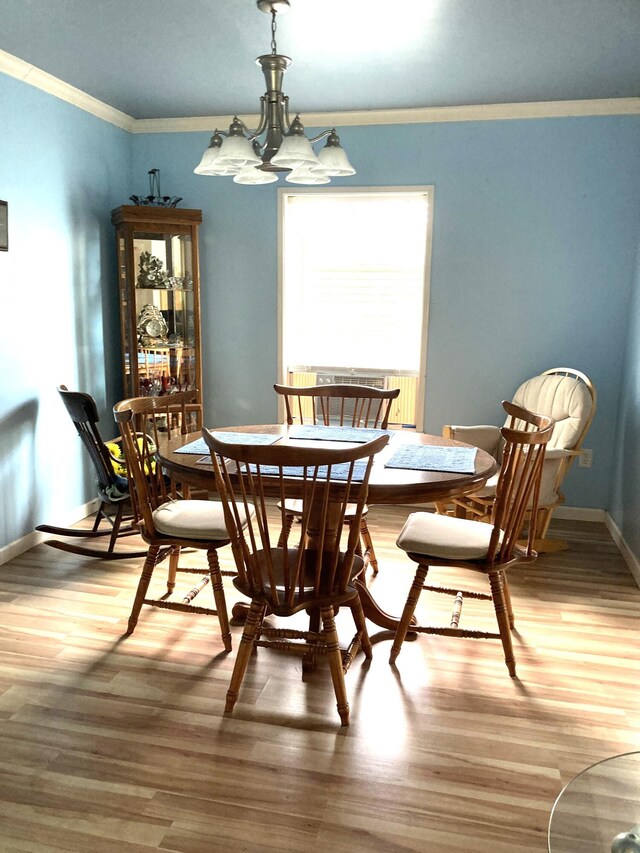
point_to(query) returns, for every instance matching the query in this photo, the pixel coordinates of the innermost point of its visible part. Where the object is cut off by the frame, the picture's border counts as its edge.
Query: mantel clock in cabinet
(159, 286)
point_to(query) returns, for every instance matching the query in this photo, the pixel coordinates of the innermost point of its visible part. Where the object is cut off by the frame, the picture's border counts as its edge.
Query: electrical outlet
(586, 458)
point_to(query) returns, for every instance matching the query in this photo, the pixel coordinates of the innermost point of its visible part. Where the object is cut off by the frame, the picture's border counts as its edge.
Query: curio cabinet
(159, 288)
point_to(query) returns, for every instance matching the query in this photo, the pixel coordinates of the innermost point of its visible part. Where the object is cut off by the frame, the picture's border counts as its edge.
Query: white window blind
(354, 280)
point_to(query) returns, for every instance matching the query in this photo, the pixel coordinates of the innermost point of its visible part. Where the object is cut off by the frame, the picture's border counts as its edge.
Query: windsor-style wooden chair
(339, 405)
(490, 549)
(309, 572)
(166, 519)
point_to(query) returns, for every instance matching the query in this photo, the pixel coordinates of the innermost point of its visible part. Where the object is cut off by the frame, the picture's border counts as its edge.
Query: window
(354, 289)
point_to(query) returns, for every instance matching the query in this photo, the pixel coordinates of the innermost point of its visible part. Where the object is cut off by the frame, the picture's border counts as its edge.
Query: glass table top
(599, 810)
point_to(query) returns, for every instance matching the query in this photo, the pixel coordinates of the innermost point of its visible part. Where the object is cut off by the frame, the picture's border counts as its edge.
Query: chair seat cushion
(444, 536)
(191, 519)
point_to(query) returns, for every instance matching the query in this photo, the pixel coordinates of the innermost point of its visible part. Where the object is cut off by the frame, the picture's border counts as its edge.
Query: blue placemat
(200, 446)
(338, 472)
(358, 435)
(424, 457)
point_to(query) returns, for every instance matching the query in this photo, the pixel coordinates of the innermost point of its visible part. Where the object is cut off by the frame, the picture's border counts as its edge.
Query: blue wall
(625, 494)
(535, 231)
(62, 171)
(534, 265)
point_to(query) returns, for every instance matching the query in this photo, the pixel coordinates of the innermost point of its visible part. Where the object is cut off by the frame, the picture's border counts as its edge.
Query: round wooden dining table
(386, 485)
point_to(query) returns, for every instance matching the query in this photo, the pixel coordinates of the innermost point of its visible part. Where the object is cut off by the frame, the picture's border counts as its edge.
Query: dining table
(395, 477)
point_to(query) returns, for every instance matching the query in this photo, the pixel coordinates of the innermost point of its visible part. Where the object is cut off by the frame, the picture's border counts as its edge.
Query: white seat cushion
(564, 398)
(444, 536)
(188, 519)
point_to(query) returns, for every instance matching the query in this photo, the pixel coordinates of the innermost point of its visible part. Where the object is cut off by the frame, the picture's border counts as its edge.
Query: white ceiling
(179, 58)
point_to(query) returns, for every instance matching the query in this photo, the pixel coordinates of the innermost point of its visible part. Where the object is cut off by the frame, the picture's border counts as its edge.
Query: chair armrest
(484, 436)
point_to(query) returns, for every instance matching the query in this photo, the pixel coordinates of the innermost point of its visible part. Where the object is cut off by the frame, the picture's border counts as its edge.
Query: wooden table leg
(372, 611)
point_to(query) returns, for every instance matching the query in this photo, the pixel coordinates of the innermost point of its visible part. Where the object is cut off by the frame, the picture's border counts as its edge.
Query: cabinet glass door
(159, 299)
(164, 312)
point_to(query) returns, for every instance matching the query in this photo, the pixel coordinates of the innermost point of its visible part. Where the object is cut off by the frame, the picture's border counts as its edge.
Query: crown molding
(421, 115)
(22, 70)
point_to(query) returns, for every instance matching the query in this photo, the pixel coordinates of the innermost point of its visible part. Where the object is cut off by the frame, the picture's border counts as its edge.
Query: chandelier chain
(274, 47)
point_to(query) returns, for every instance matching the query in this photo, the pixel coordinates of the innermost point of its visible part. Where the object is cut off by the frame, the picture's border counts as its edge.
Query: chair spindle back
(144, 423)
(312, 566)
(340, 405)
(84, 414)
(526, 436)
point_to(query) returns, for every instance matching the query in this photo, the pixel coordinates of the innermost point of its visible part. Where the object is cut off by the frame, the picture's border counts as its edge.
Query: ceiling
(181, 58)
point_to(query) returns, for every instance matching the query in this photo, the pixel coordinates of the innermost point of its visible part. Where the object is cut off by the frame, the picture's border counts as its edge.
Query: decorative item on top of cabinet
(159, 289)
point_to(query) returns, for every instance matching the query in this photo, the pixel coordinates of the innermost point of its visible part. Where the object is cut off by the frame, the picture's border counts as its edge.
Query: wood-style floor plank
(120, 744)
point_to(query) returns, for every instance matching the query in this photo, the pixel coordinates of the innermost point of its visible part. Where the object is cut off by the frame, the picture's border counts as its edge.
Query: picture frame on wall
(4, 226)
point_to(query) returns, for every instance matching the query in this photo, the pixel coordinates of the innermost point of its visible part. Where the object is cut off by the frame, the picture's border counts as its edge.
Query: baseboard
(19, 546)
(629, 557)
(580, 513)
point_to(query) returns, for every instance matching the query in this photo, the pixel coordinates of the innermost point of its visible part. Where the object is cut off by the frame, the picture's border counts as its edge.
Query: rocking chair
(113, 490)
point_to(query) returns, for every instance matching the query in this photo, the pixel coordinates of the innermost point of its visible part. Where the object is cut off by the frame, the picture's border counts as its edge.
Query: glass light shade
(210, 164)
(252, 175)
(294, 151)
(208, 159)
(236, 152)
(334, 161)
(310, 175)
(223, 171)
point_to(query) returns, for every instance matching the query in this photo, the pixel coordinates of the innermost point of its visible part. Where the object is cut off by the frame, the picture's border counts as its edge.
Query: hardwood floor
(112, 744)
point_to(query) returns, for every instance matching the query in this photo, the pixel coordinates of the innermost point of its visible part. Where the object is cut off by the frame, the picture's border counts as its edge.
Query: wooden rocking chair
(115, 514)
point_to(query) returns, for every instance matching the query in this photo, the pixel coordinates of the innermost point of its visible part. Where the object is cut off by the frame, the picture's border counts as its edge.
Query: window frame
(429, 191)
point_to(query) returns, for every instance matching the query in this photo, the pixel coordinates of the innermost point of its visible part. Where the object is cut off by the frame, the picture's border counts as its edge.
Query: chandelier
(284, 146)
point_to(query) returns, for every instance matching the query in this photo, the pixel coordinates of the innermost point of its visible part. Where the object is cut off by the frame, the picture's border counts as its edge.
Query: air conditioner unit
(403, 410)
(368, 379)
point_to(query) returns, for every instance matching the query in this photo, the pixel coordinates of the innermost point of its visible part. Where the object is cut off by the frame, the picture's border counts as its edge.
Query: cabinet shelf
(166, 289)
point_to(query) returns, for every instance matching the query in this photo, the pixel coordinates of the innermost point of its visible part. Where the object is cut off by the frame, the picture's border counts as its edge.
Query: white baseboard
(580, 513)
(629, 557)
(19, 546)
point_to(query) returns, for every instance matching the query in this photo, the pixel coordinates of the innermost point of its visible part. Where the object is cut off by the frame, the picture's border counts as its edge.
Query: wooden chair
(567, 396)
(310, 574)
(442, 540)
(166, 520)
(339, 405)
(113, 490)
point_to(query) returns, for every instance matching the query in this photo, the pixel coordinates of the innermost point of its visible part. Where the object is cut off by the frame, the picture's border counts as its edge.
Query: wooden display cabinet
(159, 287)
